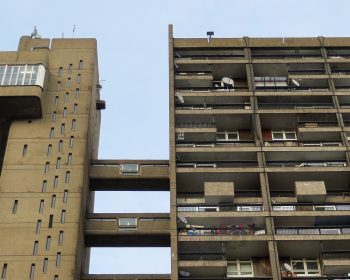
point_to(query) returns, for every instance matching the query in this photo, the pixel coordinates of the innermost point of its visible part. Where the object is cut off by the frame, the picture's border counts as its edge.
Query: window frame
(284, 132)
(226, 136)
(238, 263)
(305, 271)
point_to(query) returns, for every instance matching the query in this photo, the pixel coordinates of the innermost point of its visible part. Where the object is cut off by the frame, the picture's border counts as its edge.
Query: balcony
(126, 277)
(310, 207)
(336, 262)
(21, 90)
(193, 79)
(326, 231)
(234, 230)
(221, 208)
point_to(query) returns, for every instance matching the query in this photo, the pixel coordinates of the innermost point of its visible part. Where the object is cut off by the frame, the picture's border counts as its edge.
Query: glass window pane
(7, 76)
(290, 135)
(232, 136)
(277, 135)
(232, 269)
(128, 222)
(221, 136)
(246, 268)
(311, 265)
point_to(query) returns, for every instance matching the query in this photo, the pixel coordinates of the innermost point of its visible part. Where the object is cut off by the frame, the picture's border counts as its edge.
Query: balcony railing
(212, 89)
(312, 230)
(238, 193)
(333, 163)
(310, 207)
(291, 88)
(318, 278)
(228, 278)
(314, 123)
(295, 105)
(335, 255)
(187, 256)
(218, 164)
(212, 144)
(220, 208)
(195, 125)
(214, 106)
(222, 230)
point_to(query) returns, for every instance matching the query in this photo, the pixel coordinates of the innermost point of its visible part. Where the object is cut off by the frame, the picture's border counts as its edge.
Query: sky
(133, 66)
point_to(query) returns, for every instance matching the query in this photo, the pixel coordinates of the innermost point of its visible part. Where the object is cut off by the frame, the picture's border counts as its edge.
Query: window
(52, 132)
(60, 71)
(63, 126)
(46, 260)
(65, 112)
(71, 142)
(53, 201)
(25, 150)
(70, 158)
(38, 226)
(58, 86)
(283, 208)
(227, 136)
(14, 207)
(41, 206)
(53, 118)
(60, 145)
(75, 108)
(67, 177)
(35, 249)
(78, 78)
(70, 68)
(4, 271)
(55, 102)
(50, 221)
(65, 196)
(63, 216)
(76, 93)
(56, 277)
(48, 243)
(129, 168)
(55, 182)
(81, 64)
(284, 135)
(66, 97)
(49, 150)
(127, 223)
(68, 83)
(47, 165)
(19, 75)
(44, 186)
(32, 272)
(74, 124)
(239, 268)
(58, 259)
(58, 163)
(60, 238)
(305, 267)
(324, 207)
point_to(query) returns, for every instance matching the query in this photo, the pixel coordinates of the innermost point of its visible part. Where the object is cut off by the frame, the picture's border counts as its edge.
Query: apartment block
(258, 169)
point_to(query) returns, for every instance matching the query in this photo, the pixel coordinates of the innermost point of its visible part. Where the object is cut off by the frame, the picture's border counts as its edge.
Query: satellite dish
(183, 219)
(184, 273)
(295, 82)
(288, 267)
(226, 81)
(180, 97)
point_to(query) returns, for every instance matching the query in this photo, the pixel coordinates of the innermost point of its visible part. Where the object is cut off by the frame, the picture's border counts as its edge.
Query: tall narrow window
(55, 277)
(65, 112)
(52, 132)
(25, 150)
(4, 271)
(49, 150)
(38, 226)
(35, 249)
(32, 272)
(58, 86)
(53, 201)
(60, 238)
(48, 243)
(45, 264)
(78, 79)
(60, 145)
(41, 206)
(71, 142)
(15, 207)
(65, 196)
(66, 97)
(63, 126)
(44, 186)
(74, 124)
(75, 108)
(70, 158)
(76, 93)
(60, 71)
(53, 117)
(55, 102)
(63, 216)
(47, 166)
(58, 163)
(70, 68)
(58, 259)
(68, 84)
(55, 182)
(50, 221)
(81, 64)
(67, 178)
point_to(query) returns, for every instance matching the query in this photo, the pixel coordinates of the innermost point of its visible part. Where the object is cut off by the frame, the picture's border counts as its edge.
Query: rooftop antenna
(35, 34)
(62, 35)
(73, 30)
(210, 34)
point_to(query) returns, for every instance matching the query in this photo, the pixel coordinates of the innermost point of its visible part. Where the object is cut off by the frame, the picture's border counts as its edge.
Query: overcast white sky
(132, 46)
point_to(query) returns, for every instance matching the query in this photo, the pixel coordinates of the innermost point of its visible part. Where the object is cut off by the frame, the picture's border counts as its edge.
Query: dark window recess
(4, 130)
(50, 221)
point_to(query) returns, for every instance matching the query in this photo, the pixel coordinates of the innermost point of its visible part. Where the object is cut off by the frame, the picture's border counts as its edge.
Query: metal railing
(238, 193)
(218, 164)
(214, 106)
(203, 256)
(335, 255)
(310, 207)
(332, 163)
(220, 208)
(324, 230)
(295, 105)
(195, 125)
(223, 230)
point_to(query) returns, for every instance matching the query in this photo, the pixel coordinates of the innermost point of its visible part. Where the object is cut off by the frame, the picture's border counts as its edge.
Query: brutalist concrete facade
(258, 170)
